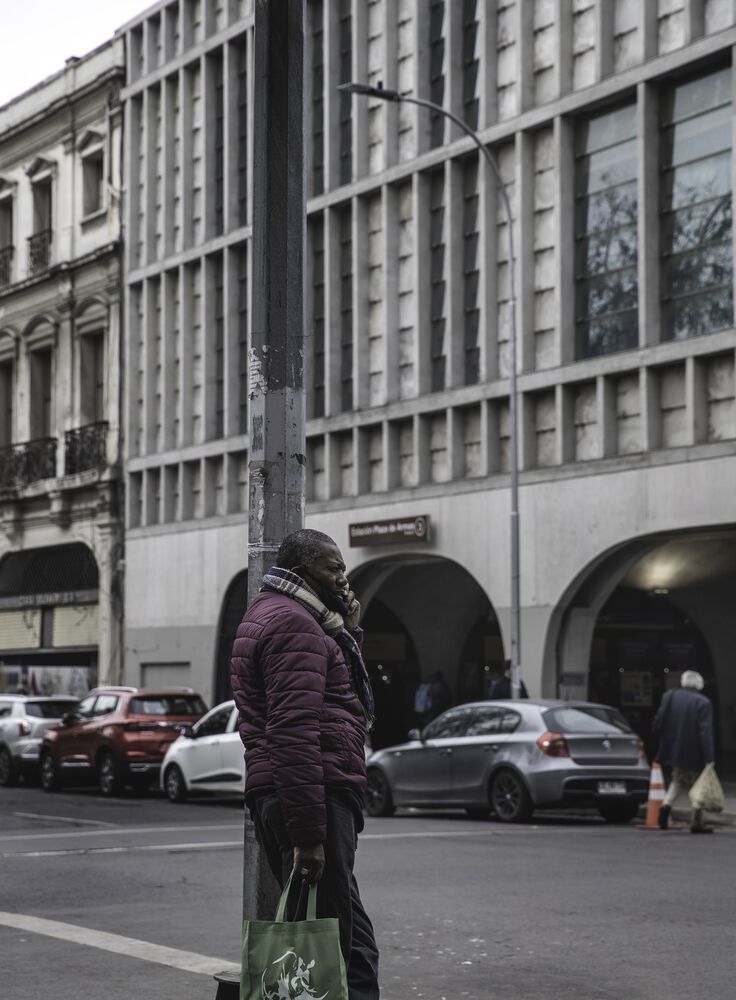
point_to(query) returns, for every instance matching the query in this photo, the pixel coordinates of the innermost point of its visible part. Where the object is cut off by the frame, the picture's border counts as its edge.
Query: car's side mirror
(69, 719)
(186, 730)
(416, 734)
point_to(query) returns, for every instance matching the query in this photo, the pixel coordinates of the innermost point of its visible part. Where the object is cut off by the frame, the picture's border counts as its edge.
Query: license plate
(612, 788)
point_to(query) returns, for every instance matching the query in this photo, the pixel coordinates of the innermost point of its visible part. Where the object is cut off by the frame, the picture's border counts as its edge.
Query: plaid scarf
(283, 581)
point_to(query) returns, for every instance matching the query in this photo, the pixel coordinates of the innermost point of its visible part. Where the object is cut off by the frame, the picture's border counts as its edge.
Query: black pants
(337, 893)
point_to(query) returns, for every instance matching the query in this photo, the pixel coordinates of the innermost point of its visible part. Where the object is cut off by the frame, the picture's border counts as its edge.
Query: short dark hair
(301, 548)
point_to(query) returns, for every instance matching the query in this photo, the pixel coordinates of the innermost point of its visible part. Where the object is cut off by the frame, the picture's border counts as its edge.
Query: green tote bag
(293, 960)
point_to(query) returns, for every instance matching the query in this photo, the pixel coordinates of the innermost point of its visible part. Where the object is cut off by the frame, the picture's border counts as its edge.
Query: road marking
(187, 961)
(198, 846)
(427, 833)
(120, 830)
(228, 844)
(67, 819)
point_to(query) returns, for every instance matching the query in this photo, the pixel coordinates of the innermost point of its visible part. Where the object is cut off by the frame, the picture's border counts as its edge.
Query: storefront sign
(50, 600)
(405, 529)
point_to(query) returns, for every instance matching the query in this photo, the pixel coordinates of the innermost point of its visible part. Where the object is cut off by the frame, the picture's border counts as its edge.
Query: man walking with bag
(305, 704)
(684, 727)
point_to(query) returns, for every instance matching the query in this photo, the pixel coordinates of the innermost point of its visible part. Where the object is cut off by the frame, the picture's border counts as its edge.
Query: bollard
(228, 986)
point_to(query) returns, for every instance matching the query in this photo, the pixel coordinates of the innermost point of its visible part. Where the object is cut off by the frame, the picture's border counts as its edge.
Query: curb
(712, 819)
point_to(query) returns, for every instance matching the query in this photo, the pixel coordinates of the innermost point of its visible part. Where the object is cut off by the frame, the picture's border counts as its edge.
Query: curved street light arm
(515, 630)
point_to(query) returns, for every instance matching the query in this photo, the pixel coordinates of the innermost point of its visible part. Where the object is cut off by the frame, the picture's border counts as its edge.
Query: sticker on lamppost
(399, 529)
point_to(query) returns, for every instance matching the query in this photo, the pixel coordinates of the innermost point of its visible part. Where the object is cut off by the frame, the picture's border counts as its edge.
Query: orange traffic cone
(655, 800)
(656, 797)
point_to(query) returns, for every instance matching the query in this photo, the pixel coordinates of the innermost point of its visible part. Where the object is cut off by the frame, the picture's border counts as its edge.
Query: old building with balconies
(60, 531)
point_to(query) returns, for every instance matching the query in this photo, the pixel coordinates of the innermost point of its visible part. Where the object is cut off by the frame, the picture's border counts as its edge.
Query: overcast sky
(37, 36)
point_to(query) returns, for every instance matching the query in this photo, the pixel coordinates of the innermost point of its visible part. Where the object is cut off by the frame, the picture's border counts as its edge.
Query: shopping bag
(707, 792)
(293, 960)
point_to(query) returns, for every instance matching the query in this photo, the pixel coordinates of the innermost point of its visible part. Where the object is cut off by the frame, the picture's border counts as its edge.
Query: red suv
(119, 735)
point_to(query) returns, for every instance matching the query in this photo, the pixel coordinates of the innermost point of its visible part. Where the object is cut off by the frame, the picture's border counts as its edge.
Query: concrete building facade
(612, 125)
(60, 390)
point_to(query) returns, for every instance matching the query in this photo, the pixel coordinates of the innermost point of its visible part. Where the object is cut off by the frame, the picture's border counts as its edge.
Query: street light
(393, 95)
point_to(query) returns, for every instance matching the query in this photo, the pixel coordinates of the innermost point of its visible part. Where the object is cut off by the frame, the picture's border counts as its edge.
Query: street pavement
(135, 898)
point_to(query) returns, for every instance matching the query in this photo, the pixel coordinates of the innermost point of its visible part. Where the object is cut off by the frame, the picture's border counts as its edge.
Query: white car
(207, 758)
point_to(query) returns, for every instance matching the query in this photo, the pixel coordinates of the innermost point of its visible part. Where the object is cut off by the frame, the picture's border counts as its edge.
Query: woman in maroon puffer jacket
(305, 703)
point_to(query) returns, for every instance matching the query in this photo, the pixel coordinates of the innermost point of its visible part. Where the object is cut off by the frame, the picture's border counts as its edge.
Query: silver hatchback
(23, 721)
(512, 757)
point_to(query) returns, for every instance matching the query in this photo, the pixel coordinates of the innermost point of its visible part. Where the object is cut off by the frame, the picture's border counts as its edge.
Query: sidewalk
(681, 810)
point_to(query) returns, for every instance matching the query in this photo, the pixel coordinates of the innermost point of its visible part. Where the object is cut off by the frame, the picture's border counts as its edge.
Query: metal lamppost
(393, 95)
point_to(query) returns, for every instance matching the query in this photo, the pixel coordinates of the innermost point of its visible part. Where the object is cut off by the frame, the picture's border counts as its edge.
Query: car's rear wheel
(176, 787)
(50, 781)
(379, 801)
(510, 799)
(8, 774)
(110, 778)
(618, 812)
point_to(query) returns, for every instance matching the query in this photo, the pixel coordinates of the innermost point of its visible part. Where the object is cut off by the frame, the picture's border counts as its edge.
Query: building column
(108, 552)
(575, 653)
(649, 180)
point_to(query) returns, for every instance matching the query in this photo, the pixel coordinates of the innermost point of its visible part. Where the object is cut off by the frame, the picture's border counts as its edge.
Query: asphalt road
(138, 898)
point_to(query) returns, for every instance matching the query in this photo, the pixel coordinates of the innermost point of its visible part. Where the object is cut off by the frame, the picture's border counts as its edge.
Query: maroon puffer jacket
(302, 724)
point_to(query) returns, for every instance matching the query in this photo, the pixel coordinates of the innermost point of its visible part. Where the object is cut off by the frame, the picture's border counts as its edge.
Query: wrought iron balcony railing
(6, 263)
(85, 448)
(21, 464)
(39, 251)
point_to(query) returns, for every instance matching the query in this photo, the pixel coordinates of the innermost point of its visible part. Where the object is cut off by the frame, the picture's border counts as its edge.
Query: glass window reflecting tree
(606, 254)
(697, 255)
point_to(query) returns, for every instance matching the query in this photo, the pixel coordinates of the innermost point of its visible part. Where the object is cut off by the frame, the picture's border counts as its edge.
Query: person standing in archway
(501, 687)
(683, 726)
(305, 705)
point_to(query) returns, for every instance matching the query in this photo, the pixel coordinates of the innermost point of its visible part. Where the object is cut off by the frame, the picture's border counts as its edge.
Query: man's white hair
(692, 679)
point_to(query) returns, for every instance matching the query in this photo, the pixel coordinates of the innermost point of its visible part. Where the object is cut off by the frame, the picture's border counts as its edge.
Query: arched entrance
(644, 613)
(642, 642)
(233, 608)
(424, 618)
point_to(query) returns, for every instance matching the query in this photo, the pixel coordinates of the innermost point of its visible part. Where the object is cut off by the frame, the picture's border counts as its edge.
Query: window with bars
(696, 183)
(6, 403)
(346, 309)
(242, 90)
(346, 104)
(219, 144)
(176, 347)
(41, 393)
(6, 240)
(92, 382)
(219, 338)
(242, 258)
(156, 363)
(471, 272)
(318, 100)
(438, 322)
(437, 69)
(471, 62)
(39, 244)
(178, 166)
(194, 73)
(317, 251)
(606, 254)
(155, 109)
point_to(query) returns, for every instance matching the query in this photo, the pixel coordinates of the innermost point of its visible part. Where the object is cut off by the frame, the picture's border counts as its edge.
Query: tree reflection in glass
(606, 251)
(697, 254)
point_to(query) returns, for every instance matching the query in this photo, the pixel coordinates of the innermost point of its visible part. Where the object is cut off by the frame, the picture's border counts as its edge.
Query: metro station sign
(391, 532)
